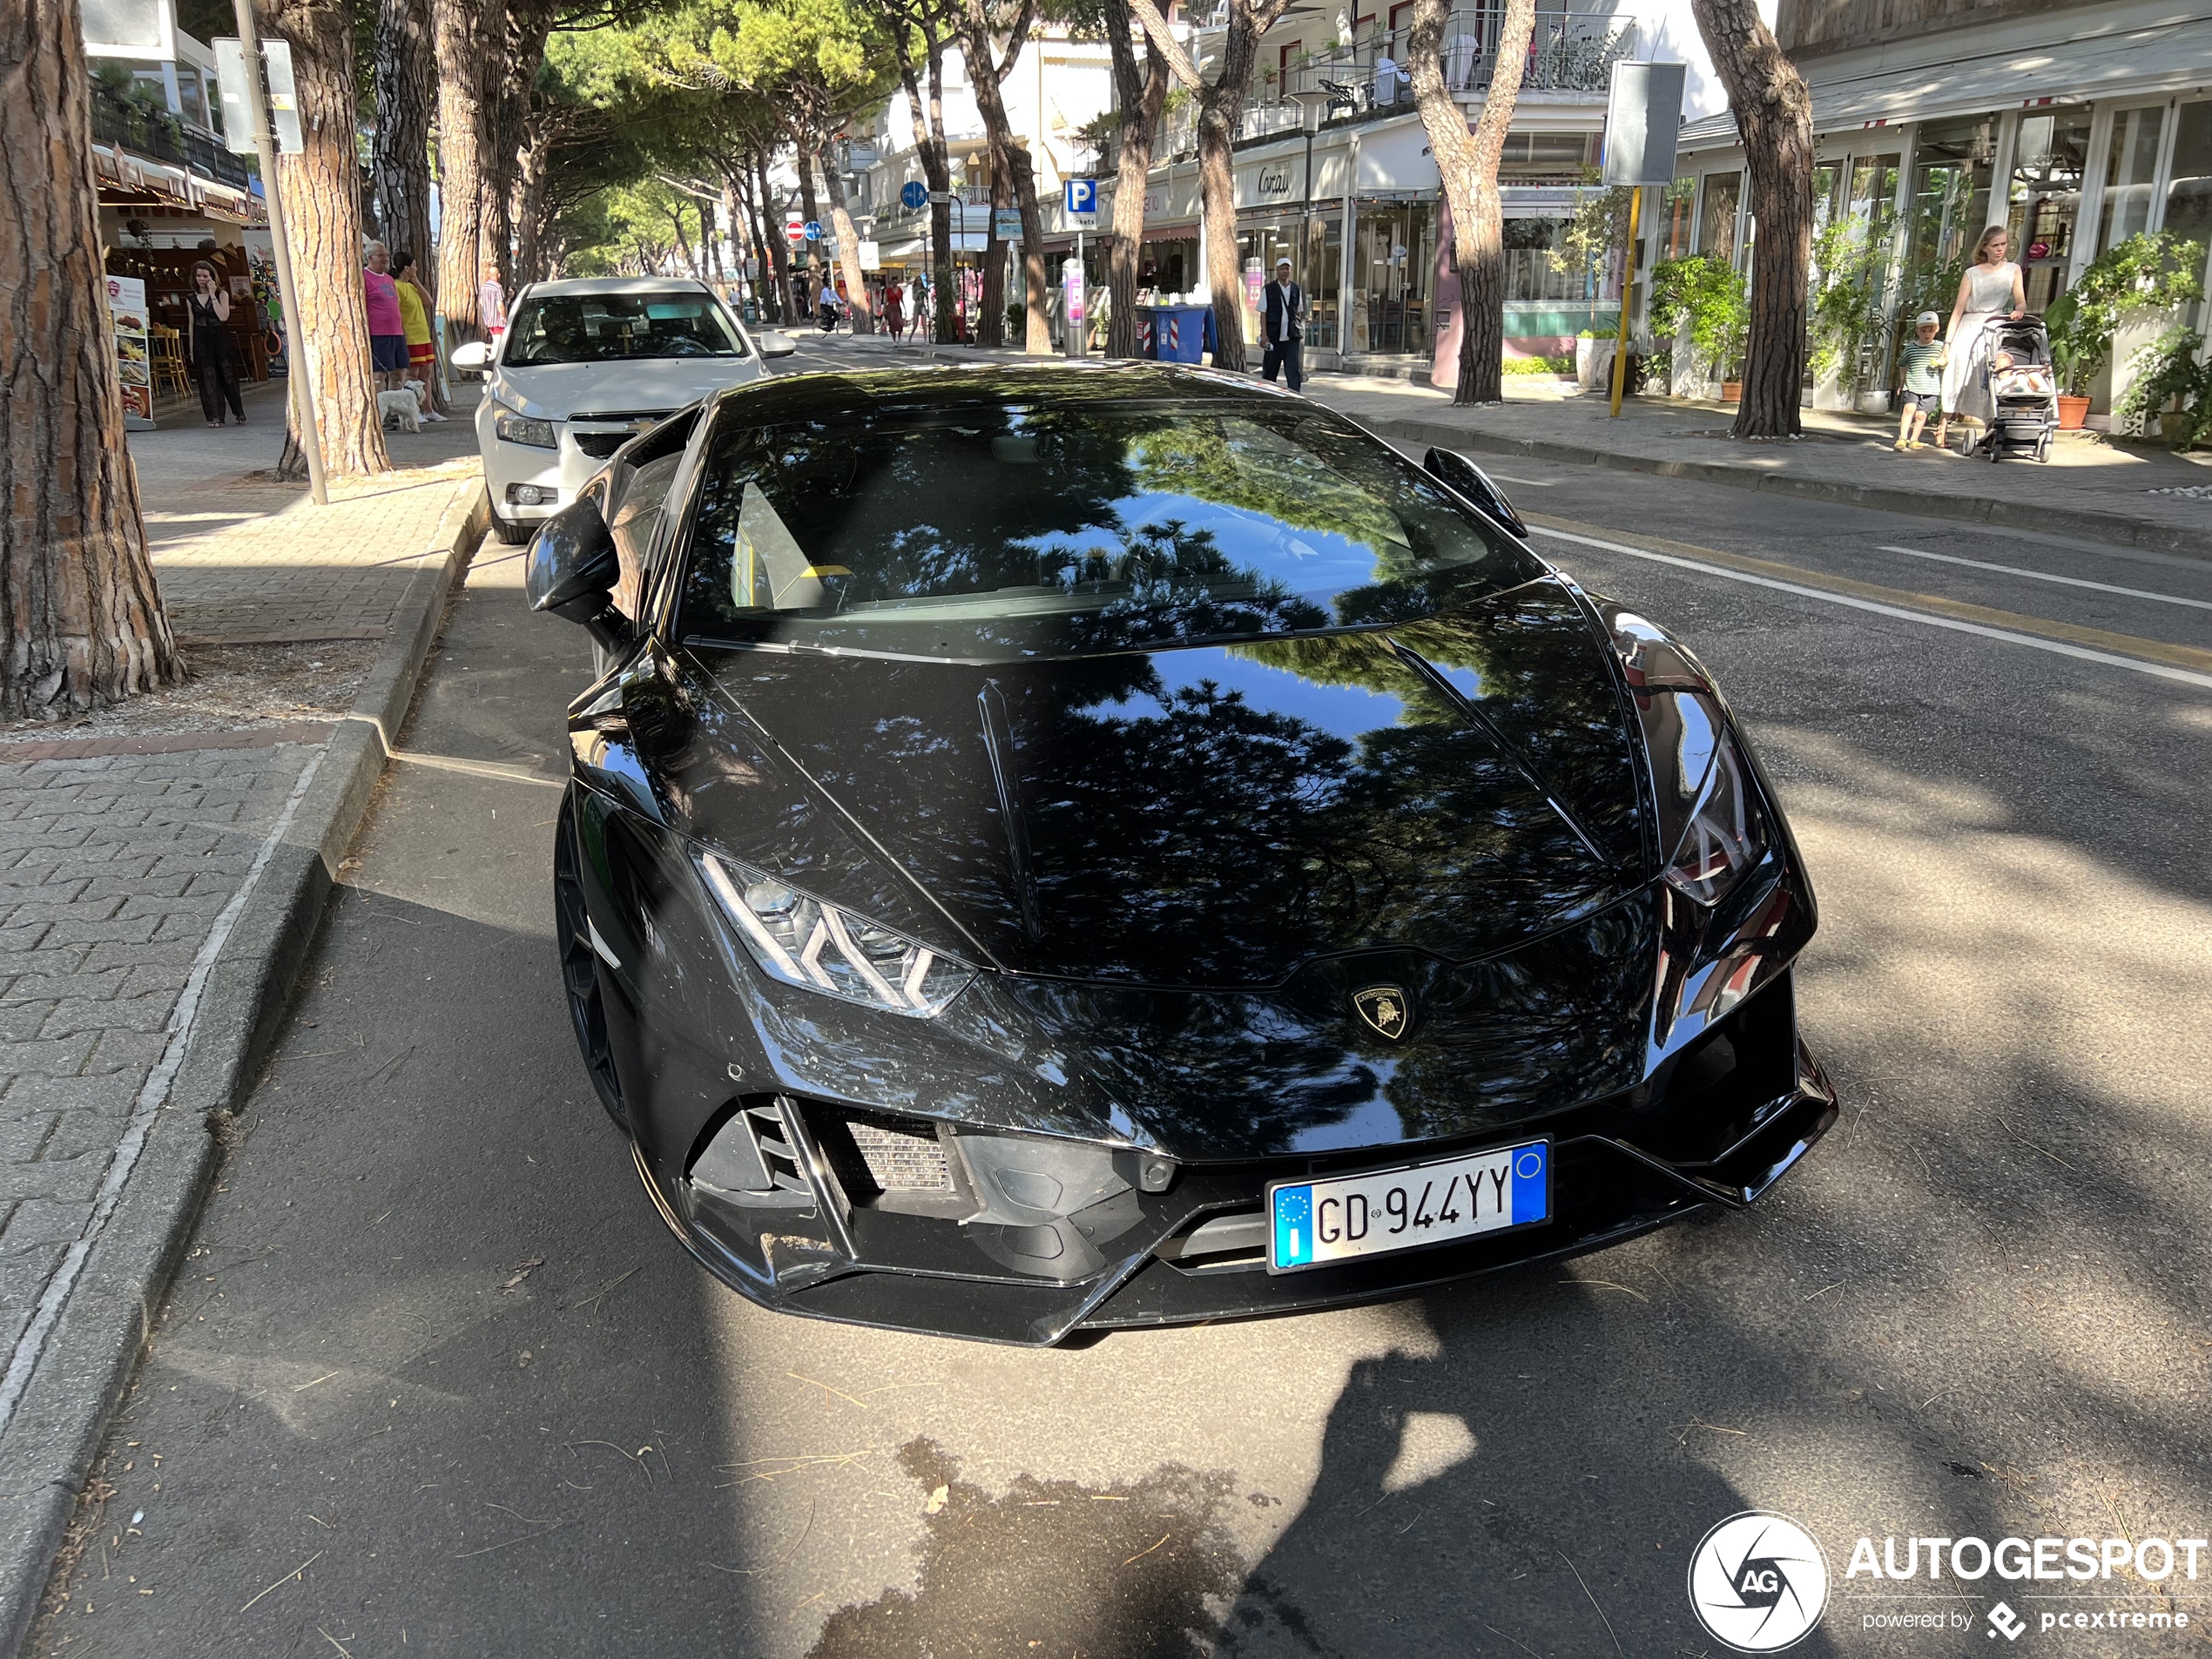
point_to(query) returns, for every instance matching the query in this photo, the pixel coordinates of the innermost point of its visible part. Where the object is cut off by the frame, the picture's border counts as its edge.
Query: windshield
(1071, 527)
(615, 327)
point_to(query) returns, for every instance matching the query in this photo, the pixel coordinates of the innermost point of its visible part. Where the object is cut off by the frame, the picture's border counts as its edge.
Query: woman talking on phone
(208, 314)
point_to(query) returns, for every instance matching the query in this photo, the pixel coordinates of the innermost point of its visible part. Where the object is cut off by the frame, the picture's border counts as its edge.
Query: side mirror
(573, 567)
(472, 358)
(774, 344)
(1463, 475)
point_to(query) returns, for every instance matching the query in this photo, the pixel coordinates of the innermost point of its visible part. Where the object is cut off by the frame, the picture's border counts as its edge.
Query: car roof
(569, 288)
(923, 388)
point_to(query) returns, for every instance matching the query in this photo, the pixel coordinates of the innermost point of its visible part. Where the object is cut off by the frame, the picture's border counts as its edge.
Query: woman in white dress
(1990, 285)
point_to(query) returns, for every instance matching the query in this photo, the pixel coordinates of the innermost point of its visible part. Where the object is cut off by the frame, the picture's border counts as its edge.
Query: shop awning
(2098, 52)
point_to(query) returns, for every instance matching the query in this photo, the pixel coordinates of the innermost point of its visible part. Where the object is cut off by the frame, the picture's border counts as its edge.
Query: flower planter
(1731, 391)
(2073, 412)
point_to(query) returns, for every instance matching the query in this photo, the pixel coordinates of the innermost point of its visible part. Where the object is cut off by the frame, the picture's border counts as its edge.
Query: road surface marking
(2038, 633)
(2045, 575)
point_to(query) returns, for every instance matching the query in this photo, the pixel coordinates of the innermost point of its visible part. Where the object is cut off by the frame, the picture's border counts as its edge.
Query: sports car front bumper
(1729, 1120)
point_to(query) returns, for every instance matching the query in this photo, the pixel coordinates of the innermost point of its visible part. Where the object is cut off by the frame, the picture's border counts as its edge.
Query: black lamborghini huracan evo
(1062, 849)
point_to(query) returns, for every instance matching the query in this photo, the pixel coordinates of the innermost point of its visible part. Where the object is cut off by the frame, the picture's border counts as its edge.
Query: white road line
(153, 1097)
(2045, 575)
(497, 769)
(2056, 647)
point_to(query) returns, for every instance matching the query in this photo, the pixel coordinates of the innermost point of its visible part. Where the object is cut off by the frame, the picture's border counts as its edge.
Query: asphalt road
(434, 1349)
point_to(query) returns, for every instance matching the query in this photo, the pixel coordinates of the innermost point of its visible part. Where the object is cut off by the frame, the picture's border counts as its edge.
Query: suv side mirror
(776, 344)
(1462, 475)
(472, 358)
(572, 570)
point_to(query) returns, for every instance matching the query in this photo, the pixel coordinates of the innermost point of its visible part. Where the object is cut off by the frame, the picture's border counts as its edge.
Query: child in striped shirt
(1922, 361)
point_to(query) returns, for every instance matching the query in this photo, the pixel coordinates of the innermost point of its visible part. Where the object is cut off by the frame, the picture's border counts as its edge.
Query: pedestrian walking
(1988, 285)
(386, 325)
(414, 312)
(1922, 361)
(491, 310)
(208, 314)
(1282, 328)
(894, 309)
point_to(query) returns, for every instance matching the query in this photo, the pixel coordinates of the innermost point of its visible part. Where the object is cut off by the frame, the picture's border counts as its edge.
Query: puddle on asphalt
(1134, 1570)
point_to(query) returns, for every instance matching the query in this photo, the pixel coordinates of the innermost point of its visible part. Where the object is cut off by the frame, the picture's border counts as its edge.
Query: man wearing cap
(1922, 361)
(1282, 327)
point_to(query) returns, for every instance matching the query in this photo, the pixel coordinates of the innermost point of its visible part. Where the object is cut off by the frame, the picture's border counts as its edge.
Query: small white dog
(399, 409)
(422, 399)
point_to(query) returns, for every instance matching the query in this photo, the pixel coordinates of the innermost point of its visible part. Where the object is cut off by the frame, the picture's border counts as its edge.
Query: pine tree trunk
(85, 625)
(399, 151)
(1012, 171)
(1142, 99)
(321, 188)
(809, 203)
(990, 322)
(1468, 164)
(1218, 113)
(776, 246)
(464, 32)
(848, 249)
(526, 25)
(1774, 115)
(1036, 285)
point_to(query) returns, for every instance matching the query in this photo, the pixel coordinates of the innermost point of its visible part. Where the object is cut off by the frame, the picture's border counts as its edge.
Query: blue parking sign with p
(1082, 195)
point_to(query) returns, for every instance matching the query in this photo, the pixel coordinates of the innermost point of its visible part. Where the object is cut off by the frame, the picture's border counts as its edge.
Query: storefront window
(1950, 189)
(2130, 161)
(2189, 196)
(2047, 166)
(1531, 278)
(1872, 192)
(1676, 203)
(1716, 216)
(1391, 257)
(1313, 244)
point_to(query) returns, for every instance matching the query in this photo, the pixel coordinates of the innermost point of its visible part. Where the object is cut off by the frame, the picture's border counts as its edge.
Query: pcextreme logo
(1758, 1582)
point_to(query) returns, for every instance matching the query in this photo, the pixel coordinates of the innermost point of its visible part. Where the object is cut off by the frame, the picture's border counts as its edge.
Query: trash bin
(1172, 334)
(751, 308)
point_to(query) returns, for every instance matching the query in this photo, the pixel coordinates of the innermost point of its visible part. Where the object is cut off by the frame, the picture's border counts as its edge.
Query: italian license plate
(1349, 1217)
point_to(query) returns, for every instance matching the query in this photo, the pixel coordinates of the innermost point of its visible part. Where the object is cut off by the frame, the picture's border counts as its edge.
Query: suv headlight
(801, 940)
(521, 429)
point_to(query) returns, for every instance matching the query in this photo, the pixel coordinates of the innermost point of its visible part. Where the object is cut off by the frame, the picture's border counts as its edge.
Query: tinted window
(1072, 526)
(611, 327)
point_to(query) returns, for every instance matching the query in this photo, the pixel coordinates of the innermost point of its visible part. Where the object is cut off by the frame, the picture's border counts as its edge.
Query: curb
(2113, 528)
(88, 1361)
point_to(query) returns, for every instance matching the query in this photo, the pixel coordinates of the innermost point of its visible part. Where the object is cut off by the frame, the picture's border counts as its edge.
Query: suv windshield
(612, 327)
(1073, 526)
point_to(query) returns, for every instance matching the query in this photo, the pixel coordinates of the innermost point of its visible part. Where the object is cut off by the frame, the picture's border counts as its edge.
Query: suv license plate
(1348, 1217)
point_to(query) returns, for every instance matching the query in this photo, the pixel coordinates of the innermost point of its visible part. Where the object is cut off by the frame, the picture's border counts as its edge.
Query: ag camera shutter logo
(1758, 1582)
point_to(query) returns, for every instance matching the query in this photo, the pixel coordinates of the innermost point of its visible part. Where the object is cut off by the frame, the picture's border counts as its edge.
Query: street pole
(1628, 293)
(303, 402)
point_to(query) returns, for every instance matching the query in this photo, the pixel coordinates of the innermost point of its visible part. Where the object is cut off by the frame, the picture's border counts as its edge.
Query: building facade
(2075, 125)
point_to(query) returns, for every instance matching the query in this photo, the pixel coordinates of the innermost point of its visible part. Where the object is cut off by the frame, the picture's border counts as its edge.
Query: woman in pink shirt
(386, 325)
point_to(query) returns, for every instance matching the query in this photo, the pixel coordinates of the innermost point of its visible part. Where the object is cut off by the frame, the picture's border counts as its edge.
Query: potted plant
(2144, 272)
(2166, 371)
(1702, 300)
(1849, 322)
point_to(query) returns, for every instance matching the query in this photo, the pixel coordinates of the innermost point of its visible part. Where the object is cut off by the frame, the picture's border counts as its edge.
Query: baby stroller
(2023, 389)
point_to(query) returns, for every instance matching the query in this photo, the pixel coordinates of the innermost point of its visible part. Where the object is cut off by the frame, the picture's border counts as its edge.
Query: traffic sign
(913, 195)
(1081, 200)
(813, 230)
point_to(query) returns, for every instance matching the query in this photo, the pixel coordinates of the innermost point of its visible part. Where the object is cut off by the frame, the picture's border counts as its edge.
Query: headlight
(1708, 807)
(796, 938)
(521, 429)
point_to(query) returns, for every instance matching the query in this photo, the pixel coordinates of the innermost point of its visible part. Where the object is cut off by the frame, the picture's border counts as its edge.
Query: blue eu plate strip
(1528, 1184)
(1294, 1226)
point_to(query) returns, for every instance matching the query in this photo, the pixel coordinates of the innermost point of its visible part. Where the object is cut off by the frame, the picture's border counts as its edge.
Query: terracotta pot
(2074, 413)
(1731, 391)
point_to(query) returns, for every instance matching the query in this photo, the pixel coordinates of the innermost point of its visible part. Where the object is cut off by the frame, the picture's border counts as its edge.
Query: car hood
(559, 391)
(1201, 817)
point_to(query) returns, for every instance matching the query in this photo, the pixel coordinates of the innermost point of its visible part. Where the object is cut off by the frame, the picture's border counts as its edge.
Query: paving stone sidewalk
(129, 861)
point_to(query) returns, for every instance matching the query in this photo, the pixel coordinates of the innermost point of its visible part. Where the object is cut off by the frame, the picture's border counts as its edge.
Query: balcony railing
(1568, 52)
(163, 138)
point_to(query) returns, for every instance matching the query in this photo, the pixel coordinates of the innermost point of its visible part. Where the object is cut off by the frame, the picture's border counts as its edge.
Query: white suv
(585, 365)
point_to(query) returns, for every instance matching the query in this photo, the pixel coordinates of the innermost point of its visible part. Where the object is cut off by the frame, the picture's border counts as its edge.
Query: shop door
(2052, 154)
